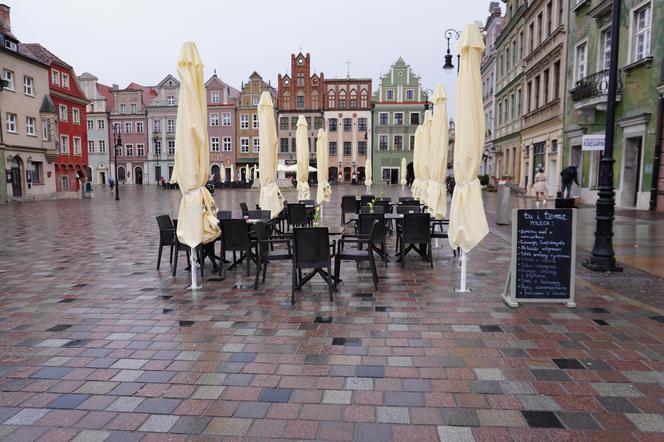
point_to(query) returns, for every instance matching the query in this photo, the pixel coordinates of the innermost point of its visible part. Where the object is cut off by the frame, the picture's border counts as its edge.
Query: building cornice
(78, 100)
(518, 14)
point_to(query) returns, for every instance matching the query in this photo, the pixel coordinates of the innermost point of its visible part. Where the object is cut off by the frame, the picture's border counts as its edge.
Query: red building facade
(71, 164)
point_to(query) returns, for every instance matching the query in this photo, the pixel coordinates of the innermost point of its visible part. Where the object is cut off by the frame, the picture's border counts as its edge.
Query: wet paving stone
(542, 419)
(276, 395)
(59, 328)
(568, 364)
(601, 322)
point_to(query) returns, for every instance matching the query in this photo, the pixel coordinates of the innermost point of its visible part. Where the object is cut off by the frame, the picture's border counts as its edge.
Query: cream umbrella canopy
(368, 174)
(468, 223)
(404, 172)
(197, 222)
(324, 190)
(302, 150)
(437, 194)
(425, 156)
(416, 187)
(270, 197)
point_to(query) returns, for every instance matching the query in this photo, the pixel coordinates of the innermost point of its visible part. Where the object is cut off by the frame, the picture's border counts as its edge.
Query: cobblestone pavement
(95, 344)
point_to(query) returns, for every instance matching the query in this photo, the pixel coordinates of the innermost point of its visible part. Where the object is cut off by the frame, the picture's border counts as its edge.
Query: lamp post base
(602, 264)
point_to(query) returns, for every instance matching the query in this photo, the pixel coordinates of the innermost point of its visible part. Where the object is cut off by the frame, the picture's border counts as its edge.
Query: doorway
(347, 176)
(552, 179)
(157, 173)
(228, 172)
(138, 175)
(102, 178)
(121, 174)
(631, 171)
(17, 188)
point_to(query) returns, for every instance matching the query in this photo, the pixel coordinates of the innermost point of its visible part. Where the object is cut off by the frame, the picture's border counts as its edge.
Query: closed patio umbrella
(367, 174)
(404, 172)
(468, 223)
(197, 222)
(302, 150)
(324, 190)
(437, 197)
(270, 197)
(425, 155)
(416, 187)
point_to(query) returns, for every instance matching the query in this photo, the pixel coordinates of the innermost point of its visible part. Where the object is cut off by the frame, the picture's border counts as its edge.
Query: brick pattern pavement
(98, 345)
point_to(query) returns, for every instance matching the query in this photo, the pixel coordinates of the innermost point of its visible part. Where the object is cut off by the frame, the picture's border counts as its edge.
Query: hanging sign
(592, 142)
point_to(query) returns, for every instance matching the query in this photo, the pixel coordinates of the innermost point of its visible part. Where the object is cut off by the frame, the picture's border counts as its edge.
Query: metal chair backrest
(261, 234)
(366, 199)
(349, 204)
(166, 229)
(307, 202)
(403, 209)
(245, 209)
(376, 209)
(224, 214)
(265, 214)
(385, 204)
(235, 234)
(367, 223)
(385, 198)
(255, 214)
(416, 228)
(297, 215)
(407, 199)
(311, 247)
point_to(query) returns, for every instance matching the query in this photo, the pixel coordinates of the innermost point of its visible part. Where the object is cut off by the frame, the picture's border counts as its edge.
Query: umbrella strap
(462, 185)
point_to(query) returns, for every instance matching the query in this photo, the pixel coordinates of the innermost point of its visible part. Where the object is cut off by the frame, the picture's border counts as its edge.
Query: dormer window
(55, 77)
(10, 45)
(214, 97)
(171, 100)
(65, 81)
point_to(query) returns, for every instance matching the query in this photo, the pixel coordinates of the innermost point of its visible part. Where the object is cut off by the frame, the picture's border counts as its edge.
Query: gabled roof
(106, 92)
(87, 76)
(40, 53)
(167, 78)
(147, 92)
(255, 76)
(47, 106)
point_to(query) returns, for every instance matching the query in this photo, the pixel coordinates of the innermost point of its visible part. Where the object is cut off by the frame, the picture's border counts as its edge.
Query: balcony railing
(594, 85)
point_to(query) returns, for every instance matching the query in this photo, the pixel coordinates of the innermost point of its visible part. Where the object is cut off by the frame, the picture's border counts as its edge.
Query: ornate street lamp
(157, 152)
(448, 66)
(117, 143)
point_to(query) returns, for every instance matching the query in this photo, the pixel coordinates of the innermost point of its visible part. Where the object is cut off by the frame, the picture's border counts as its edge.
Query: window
(382, 142)
(556, 79)
(529, 96)
(364, 99)
(507, 58)
(214, 119)
(514, 52)
(64, 144)
(512, 113)
(65, 81)
(500, 112)
(342, 99)
(214, 144)
(294, 144)
(55, 77)
(63, 112)
(353, 99)
(348, 124)
(28, 86)
(537, 92)
(539, 28)
(314, 100)
(362, 148)
(294, 123)
(257, 144)
(389, 94)
(133, 108)
(91, 146)
(283, 145)
(561, 6)
(331, 99)
(398, 142)
(414, 118)
(129, 150)
(286, 100)
(123, 109)
(170, 126)
(549, 18)
(244, 121)
(398, 118)
(640, 41)
(140, 150)
(214, 97)
(139, 127)
(45, 129)
(254, 100)
(333, 148)
(171, 147)
(318, 123)
(348, 148)
(283, 123)
(76, 115)
(299, 80)
(581, 61)
(605, 49)
(102, 146)
(31, 126)
(546, 86)
(226, 144)
(299, 101)
(77, 146)
(65, 182)
(518, 102)
(157, 125)
(531, 35)
(91, 125)
(332, 124)
(383, 119)
(226, 119)
(11, 122)
(37, 172)
(254, 121)
(157, 148)
(410, 94)
(362, 124)
(170, 100)
(128, 127)
(411, 145)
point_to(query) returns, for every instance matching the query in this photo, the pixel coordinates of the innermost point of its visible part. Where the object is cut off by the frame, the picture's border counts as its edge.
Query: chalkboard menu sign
(543, 257)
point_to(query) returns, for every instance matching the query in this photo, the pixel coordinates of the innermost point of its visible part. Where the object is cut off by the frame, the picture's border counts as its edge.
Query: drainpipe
(658, 154)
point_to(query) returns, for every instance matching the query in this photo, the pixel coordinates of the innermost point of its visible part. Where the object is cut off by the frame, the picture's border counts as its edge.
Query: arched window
(331, 99)
(364, 98)
(300, 80)
(342, 99)
(353, 99)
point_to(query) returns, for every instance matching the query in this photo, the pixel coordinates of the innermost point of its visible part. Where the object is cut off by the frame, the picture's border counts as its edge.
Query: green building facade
(640, 54)
(399, 105)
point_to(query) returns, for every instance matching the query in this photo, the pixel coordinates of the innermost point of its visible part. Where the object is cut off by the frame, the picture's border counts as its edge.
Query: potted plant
(317, 216)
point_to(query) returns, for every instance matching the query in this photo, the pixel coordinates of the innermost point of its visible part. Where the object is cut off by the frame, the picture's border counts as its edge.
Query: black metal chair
(359, 254)
(349, 204)
(366, 199)
(265, 252)
(224, 214)
(439, 231)
(307, 202)
(312, 250)
(297, 216)
(409, 200)
(166, 237)
(376, 209)
(416, 233)
(245, 209)
(403, 209)
(235, 238)
(364, 226)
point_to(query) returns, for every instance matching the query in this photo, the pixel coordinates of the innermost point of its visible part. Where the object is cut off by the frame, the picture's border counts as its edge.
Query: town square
(459, 239)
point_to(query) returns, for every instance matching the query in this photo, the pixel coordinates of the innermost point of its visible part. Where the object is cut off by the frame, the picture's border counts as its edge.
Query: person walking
(540, 188)
(111, 183)
(568, 176)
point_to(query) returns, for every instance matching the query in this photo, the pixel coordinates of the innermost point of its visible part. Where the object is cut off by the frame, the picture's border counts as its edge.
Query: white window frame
(31, 126)
(603, 55)
(139, 127)
(255, 144)
(102, 146)
(170, 126)
(101, 124)
(394, 118)
(77, 145)
(133, 108)
(214, 119)
(577, 77)
(64, 113)
(244, 121)
(64, 182)
(170, 100)
(140, 149)
(28, 86)
(45, 124)
(9, 77)
(227, 144)
(410, 91)
(394, 142)
(65, 80)
(171, 147)
(387, 94)
(214, 97)
(90, 124)
(244, 144)
(129, 150)
(254, 121)
(91, 146)
(215, 145)
(75, 115)
(123, 108)
(226, 119)
(379, 118)
(387, 142)
(64, 144)
(633, 33)
(11, 120)
(55, 77)
(128, 127)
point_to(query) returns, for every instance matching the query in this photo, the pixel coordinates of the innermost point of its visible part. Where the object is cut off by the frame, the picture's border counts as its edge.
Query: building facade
(542, 128)
(71, 164)
(399, 105)
(162, 110)
(28, 129)
(245, 129)
(640, 54)
(492, 28)
(221, 104)
(510, 52)
(129, 117)
(300, 93)
(97, 129)
(347, 117)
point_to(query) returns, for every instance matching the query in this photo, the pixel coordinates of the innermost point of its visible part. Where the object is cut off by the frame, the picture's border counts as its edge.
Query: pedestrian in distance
(568, 176)
(111, 183)
(540, 188)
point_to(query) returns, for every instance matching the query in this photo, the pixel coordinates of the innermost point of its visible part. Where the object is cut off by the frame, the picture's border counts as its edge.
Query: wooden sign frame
(509, 292)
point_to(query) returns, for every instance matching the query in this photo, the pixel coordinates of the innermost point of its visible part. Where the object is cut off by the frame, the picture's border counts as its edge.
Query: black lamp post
(602, 257)
(117, 143)
(427, 93)
(448, 66)
(157, 153)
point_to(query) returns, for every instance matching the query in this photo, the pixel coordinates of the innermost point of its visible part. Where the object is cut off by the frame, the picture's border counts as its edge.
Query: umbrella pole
(195, 284)
(463, 288)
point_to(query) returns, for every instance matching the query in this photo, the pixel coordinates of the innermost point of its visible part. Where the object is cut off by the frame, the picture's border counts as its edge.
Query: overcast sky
(121, 41)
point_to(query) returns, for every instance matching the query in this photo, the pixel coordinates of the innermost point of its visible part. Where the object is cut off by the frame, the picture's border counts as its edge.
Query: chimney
(116, 87)
(5, 19)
